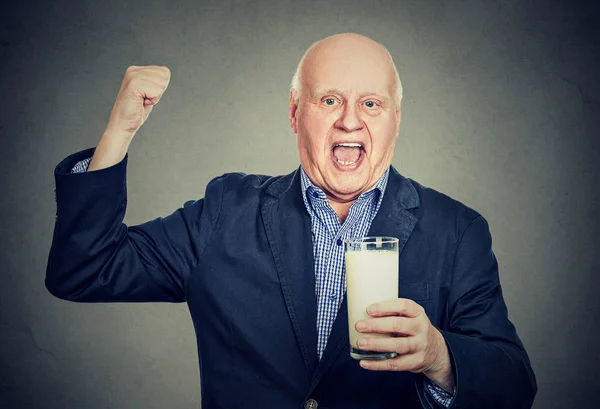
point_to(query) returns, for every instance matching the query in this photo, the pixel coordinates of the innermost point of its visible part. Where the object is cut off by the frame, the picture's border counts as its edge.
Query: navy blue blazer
(242, 259)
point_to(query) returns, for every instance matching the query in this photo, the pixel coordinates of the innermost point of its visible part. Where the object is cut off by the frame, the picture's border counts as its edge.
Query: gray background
(501, 111)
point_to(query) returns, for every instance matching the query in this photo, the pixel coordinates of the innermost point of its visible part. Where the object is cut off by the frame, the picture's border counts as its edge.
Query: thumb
(150, 101)
(147, 110)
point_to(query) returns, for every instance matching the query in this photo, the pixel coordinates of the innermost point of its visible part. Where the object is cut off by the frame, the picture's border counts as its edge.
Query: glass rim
(371, 239)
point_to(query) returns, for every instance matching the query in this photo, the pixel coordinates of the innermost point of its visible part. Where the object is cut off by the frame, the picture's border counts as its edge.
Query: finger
(149, 90)
(411, 363)
(159, 76)
(401, 345)
(136, 78)
(143, 81)
(159, 69)
(398, 306)
(167, 73)
(146, 114)
(388, 325)
(155, 68)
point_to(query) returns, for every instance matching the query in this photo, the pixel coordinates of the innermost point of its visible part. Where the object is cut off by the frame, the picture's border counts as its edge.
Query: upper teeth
(350, 145)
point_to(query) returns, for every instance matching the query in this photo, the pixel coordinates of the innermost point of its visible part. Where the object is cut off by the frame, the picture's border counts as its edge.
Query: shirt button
(339, 242)
(333, 296)
(315, 195)
(311, 404)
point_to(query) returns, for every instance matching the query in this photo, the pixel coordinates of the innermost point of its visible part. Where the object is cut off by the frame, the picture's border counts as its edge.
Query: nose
(349, 120)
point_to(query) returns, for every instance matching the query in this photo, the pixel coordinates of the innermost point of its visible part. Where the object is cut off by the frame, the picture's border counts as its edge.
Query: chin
(352, 185)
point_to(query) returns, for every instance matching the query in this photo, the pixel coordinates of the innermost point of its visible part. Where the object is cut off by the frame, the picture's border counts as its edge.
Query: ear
(398, 117)
(293, 109)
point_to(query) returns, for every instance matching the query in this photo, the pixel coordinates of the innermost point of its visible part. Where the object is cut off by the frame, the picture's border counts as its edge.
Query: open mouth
(347, 155)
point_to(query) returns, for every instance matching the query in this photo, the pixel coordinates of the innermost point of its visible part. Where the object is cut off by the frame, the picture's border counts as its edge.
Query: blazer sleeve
(95, 257)
(490, 365)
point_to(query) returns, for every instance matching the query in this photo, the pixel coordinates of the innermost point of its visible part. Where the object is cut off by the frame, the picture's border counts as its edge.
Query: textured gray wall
(501, 112)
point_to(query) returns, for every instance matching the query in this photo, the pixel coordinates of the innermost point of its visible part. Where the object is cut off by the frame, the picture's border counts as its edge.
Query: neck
(341, 209)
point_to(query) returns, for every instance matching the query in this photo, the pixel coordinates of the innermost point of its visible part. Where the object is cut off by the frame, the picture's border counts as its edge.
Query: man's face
(346, 119)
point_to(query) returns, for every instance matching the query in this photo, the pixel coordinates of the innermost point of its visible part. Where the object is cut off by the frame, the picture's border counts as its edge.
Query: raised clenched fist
(141, 89)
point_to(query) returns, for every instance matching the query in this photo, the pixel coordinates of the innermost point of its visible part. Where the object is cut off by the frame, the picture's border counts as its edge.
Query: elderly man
(259, 258)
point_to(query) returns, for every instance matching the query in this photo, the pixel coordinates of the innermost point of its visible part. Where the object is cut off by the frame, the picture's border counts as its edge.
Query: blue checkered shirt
(328, 246)
(328, 236)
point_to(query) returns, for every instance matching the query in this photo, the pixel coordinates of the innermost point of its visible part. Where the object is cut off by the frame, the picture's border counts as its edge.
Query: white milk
(371, 276)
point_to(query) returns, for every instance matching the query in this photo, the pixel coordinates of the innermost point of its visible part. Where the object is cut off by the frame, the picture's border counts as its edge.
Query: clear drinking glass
(371, 277)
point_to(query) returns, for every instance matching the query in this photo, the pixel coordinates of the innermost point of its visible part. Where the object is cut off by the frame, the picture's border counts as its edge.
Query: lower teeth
(341, 162)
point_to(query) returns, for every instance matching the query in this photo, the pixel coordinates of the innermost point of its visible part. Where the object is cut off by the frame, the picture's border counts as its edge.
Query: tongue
(346, 153)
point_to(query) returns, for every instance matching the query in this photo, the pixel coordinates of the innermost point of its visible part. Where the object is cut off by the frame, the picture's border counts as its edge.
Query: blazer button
(311, 404)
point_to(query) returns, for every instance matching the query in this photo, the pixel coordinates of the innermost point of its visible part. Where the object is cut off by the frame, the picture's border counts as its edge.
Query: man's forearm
(444, 379)
(441, 372)
(111, 150)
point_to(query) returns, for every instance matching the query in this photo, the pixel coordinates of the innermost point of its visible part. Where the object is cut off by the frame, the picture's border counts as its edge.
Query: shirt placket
(336, 251)
(326, 275)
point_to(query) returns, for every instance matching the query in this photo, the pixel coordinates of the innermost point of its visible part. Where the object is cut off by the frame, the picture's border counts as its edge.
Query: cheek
(317, 124)
(315, 127)
(384, 137)
(309, 141)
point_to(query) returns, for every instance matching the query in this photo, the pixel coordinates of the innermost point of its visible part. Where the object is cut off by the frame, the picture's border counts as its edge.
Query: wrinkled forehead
(349, 72)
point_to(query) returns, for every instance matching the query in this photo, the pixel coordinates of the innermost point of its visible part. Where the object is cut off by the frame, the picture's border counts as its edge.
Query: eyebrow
(322, 91)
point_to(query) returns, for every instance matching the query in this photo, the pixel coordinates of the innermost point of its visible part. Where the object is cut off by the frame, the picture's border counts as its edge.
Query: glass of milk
(371, 277)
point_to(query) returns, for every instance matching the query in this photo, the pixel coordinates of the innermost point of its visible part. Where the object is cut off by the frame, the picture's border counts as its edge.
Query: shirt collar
(314, 195)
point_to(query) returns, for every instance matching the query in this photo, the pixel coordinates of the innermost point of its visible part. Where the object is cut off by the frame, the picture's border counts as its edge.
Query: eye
(371, 104)
(330, 101)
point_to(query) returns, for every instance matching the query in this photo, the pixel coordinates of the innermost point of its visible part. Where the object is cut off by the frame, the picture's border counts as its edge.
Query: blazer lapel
(288, 228)
(394, 220)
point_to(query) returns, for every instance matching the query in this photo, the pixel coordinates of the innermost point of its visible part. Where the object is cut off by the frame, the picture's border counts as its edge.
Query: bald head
(343, 50)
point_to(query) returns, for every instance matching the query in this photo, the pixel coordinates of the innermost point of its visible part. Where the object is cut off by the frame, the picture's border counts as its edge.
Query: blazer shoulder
(240, 180)
(243, 186)
(441, 207)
